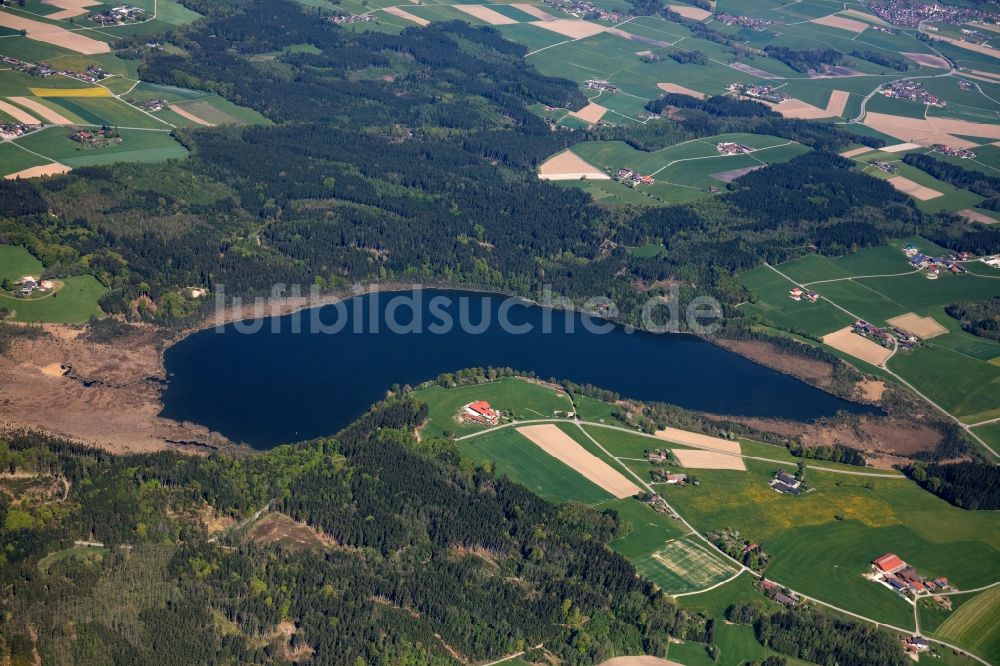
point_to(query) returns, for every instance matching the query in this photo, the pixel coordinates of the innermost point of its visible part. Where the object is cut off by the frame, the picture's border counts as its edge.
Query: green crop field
(682, 565)
(821, 542)
(74, 302)
(773, 304)
(974, 625)
(687, 170)
(13, 159)
(524, 399)
(516, 457)
(136, 146)
(966, 387)
(16, 262)
(737, 643)
(650, 530)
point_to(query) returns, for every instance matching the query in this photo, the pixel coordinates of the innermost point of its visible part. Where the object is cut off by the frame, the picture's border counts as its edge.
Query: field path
(713, 549)
(885, 366)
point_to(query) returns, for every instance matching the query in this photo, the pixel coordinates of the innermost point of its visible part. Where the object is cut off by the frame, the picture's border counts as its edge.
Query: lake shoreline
(136, 424)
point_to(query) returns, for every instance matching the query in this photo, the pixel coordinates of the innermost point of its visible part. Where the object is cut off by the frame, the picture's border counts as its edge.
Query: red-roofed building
(481, 412)
(888, 563)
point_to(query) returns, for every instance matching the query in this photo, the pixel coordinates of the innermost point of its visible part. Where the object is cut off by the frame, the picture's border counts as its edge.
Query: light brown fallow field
(70, 8)
(53, 34)
(50, 115)
(590, 113)
(534, 10)
(567, 165)
(572, 28)
(51, 169)
(855, 345)
(841, 22)
(695, 13)
(680, 90)
(922, 327)
(403, 14)
(913, 188)
(484, 13)
(549, 438)
(18, 114)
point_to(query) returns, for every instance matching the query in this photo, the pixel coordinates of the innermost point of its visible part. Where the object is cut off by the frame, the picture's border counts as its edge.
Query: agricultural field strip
(709, 157)
(716, 551)
(900, 379)
(663, 441)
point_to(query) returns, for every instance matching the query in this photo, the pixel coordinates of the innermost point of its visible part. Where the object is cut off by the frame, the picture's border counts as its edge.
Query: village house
(784, 482)
(676, 479)
(658, 456)
(731, 148)
(480, 412)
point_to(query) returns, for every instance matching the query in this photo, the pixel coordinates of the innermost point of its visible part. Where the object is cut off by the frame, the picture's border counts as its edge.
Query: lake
(275, 385)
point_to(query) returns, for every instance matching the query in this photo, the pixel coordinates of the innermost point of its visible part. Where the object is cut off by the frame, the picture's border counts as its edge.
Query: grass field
(74, 302)
(687, 170)
(524, 399)
(16, 262)
(821, 542)
(514, 456)
(136, 146)
(737, 643)
(650, 530)
(974, 625)
(683, 566)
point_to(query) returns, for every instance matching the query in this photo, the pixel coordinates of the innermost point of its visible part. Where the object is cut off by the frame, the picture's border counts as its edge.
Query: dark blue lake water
(276, 385)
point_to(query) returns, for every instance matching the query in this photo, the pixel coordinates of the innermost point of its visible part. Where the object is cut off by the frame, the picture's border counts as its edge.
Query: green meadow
(16, 262)
(821, 542)
(74, 301)
(516, 457)
(974, 625)
(523, 399)
(685, 171)
(135, 146)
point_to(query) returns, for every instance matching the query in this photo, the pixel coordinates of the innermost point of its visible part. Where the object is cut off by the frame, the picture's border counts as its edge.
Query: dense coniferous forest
(805, 633)
(970, 485)
(806, 59)
(422, 558)
(410, 158)
(965, 179)
(982, 319)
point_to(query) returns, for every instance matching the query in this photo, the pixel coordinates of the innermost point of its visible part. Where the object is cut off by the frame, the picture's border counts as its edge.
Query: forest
(417, 557)
(806, 60)
(808, 634)
(970, 485)
(965, 179)
(446, 191)
(978, 318)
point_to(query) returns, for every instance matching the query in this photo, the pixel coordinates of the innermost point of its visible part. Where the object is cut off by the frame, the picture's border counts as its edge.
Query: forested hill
(411, 158)
(404, 555)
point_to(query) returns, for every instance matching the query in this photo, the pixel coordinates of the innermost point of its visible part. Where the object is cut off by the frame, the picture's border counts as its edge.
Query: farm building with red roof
(888, 563)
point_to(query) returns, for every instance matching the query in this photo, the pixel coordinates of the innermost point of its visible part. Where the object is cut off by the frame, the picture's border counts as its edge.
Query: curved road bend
(740, 567)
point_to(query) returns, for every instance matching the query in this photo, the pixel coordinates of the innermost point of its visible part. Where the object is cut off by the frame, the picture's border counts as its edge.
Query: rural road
(885, 367)
(740, 568)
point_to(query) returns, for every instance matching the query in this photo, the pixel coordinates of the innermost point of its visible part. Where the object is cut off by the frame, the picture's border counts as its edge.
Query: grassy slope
(524, 399)
(516, 457)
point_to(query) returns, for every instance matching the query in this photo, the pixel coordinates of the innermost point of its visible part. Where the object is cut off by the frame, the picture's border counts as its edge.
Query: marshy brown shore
(108, 394)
